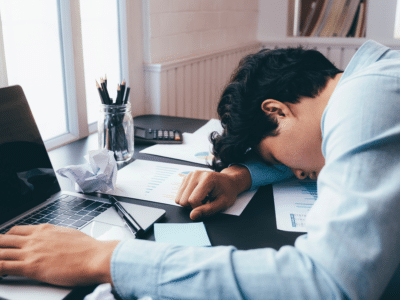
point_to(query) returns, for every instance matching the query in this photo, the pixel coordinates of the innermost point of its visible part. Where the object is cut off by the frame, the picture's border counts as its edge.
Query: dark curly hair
(285, 75)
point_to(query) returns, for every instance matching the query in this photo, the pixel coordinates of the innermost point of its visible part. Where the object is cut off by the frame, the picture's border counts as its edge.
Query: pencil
(126, 95)
(118, 98)
(106, 95)
(100, 92)
(122, 92)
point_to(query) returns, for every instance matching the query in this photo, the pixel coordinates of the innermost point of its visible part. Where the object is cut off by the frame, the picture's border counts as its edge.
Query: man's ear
(275, 109)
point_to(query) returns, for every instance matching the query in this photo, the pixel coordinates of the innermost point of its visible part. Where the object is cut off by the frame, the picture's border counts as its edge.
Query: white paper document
(196, 147)
(159, 182)
(293, 199)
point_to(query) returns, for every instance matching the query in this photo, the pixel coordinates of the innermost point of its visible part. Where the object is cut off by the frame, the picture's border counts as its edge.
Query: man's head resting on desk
(273, 104)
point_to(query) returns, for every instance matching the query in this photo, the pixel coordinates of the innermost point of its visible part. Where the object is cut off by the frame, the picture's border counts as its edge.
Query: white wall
(272, 19)
(381, 17)
(175, 29)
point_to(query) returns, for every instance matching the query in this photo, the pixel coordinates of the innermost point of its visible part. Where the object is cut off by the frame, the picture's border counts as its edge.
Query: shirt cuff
(135, 267)
(263, 174)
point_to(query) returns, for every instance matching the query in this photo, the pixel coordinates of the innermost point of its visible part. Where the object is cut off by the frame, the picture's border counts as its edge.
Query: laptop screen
(27, 177)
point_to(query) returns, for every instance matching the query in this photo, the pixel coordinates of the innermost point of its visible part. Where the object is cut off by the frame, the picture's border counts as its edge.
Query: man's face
(297, 145)
(298, 142)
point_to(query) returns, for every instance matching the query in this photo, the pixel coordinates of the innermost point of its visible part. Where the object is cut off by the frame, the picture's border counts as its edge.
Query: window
(100, 50)
(397, 21)
(33, 59)
(56, 49)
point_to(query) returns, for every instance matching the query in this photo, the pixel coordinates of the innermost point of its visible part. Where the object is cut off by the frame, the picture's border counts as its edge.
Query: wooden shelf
(276, 24)
(329, 41)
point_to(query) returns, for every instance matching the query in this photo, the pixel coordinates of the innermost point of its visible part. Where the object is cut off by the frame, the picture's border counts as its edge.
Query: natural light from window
(33, 59)
(397, 21)
(100, 50)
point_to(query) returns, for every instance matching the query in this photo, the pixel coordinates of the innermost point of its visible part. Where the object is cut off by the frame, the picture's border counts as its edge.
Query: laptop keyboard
(67, 211)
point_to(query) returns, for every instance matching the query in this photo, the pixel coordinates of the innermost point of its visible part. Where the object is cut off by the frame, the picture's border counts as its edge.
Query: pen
(129, 221)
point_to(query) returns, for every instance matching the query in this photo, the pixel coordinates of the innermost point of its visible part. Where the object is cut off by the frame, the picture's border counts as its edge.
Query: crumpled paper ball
(98, 175)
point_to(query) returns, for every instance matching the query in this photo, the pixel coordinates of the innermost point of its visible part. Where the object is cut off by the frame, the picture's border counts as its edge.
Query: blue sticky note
(184, 234)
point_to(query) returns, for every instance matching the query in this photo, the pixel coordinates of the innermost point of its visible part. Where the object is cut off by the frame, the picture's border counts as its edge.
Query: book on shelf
(332, 18)
(340, 20)
(360, 29)
(323, 16)
(357, 28)
(349, 17)
(310, 10)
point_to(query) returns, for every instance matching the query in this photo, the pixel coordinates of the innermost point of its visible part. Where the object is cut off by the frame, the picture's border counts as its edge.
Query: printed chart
(159, 182)
(293, 200)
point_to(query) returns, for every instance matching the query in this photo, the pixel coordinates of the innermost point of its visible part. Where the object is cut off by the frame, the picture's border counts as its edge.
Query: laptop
(31, 193)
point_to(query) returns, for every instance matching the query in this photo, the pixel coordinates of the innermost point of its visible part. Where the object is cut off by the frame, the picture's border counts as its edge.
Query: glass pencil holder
(115, 130)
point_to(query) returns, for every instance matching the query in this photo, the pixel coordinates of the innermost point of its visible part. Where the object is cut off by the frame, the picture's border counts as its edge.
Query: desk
(254, 228)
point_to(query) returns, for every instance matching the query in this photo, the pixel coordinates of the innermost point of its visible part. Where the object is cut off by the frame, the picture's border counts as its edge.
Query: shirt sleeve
(163, 271)
(263, 174)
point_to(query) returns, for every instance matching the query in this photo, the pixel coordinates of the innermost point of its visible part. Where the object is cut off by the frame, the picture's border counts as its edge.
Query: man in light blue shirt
(347, 135)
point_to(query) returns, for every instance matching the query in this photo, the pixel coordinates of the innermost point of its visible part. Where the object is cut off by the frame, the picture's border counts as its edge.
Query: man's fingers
(200, 194)
(11, 267)
(191, 185)
(10, 254)
(182, 189)
(21, 230)
(208, 209)
(10, 241)
(195, 181)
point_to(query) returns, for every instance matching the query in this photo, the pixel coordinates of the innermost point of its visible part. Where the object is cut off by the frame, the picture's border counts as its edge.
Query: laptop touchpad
(104, 232)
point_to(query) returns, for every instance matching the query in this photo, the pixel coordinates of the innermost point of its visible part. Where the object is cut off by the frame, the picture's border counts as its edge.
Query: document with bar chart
(159, 182)
(293, 199)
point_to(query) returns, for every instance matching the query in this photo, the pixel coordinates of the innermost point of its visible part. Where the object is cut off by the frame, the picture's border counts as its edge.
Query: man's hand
(209, 192)
(56, 255)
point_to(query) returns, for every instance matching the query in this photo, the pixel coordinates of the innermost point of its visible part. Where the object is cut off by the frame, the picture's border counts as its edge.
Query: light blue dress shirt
(352, 247)
(263, 174)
